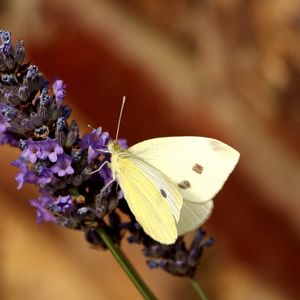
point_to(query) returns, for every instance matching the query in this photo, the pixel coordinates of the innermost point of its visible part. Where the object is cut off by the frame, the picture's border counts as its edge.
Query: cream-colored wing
(169, 190)
(198, 165)
(147, 201)
(193, 215)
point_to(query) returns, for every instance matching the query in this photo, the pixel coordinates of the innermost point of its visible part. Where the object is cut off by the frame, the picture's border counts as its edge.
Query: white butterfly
(169, 182)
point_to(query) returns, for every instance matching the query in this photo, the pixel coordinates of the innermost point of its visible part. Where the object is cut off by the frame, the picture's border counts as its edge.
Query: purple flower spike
(32, 152)
(51, 149)
(63, 166)
(42, 204)
(59, 90)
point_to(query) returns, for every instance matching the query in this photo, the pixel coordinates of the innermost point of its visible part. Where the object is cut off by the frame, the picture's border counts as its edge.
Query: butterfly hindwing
(193, 215)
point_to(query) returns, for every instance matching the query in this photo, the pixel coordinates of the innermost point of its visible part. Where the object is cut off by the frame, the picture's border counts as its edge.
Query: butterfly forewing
(198, 166)
(146, 201)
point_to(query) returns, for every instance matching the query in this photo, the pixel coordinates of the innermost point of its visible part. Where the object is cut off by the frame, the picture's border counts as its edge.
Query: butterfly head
(113, 146)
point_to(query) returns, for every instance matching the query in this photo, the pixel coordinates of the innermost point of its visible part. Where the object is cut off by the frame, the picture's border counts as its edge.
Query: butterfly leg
(108, 184)
(100, 168)
(102, 150)
(103, 190)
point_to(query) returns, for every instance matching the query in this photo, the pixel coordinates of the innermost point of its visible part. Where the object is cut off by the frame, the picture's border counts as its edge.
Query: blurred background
(224, 69)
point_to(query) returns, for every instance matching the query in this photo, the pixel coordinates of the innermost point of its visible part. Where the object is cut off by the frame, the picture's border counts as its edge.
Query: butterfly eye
(197, 168)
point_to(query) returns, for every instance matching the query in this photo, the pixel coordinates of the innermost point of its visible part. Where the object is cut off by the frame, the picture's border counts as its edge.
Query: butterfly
(169, 182)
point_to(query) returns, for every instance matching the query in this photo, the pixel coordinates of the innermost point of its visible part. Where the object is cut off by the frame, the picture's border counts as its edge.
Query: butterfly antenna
(120, 116)
(90, 126)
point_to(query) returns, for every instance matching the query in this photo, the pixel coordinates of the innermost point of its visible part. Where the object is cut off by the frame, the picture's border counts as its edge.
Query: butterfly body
(169, 182)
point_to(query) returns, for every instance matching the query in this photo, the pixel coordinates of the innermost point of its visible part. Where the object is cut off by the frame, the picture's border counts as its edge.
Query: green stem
(126, 265)
(197, 288)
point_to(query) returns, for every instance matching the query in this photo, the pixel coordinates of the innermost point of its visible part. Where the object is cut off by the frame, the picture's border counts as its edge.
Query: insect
(169, 182)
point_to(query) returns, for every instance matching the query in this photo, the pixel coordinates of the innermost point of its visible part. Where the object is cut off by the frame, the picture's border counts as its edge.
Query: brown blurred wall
(228, 70)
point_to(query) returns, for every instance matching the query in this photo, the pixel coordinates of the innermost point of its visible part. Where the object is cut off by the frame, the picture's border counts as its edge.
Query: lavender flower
(60, 163)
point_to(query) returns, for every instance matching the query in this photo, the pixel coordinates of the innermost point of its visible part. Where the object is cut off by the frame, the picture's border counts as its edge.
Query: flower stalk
(195, 284)
(126, 265)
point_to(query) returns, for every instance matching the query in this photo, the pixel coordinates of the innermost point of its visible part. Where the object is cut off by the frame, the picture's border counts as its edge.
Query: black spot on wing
(163, 193)
(197, 168)
(184, 184)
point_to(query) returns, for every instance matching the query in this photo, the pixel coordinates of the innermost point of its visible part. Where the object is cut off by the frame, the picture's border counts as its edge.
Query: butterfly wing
(198, 165)
(153, 200)
(165, 185)
(193, 215)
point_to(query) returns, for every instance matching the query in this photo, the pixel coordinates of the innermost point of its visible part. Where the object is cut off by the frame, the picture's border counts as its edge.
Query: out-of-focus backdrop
(225, 69)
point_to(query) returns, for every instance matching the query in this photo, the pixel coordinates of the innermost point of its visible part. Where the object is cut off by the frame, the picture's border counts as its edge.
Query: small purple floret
(32, 152)
(51, 149)
(59, 91)
(63, 204)
(41, 204)
(25, 175)
(97, 140)
(44, 149)
(44, 177)
(63, 166)
(20, 178)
